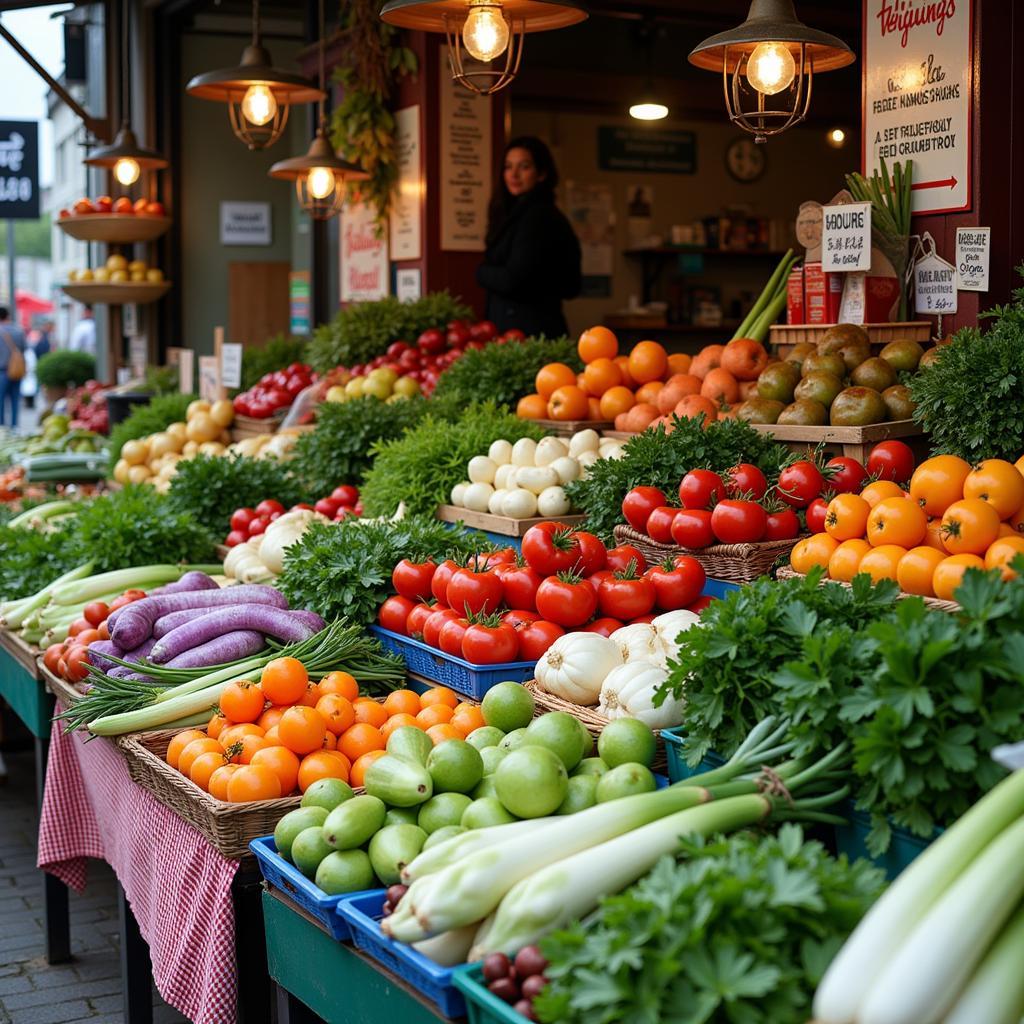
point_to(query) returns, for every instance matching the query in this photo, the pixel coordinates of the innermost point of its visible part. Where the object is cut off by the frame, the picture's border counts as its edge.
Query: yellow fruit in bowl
(135, 452)
(72, 275)
(101, 274)
(138, 265)
(154, 275)
(222, 413)
(117, 262)
(118, 276)
(84, 275)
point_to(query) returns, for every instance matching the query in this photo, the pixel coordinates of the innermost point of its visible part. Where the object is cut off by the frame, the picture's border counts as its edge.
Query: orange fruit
(882, 562)
(594, 408)
(933, 535)
(241, 751)
(360, 739)
(322, 764)
(844, 562)
(443, 731)
(253, 782)
(180, 742)
(744, 358)
(648, 393)
(568, 403)
(357, 776)
(676, 388)
(270, 717)
(236, 732)
(194, 749)
(302, 729)
(597, 343)
(337, 712)
(396, 722)
(341, 683)
(916, 570)
(272, 736)
(616, 400)
(999, 483)
(216, 725)
(1002, 552)
(969, 526)
(898, 521)
(707, 359)
(284, 680)
(311, 696)
(218, 785)
(950, 571)
(330, 741)
(368, 710)
(812, 551)
(622, 362)
(938, 482)
(532, 407)
(679, 362)
(282, 762)
(693, 406)
(600, 375)
(436, 714)
(468, 717)
(648, 361)
(402, 702)
(1005, 530)
(242, 701)
(204, 766)
(439, 695)
(879, 490)
(846, 517)
(553, 376)
(720, 386)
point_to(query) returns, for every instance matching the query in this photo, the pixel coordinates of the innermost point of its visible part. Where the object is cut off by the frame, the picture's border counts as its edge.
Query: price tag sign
(231, 365)
(934, 286)
(972, 251)
(209, 378)
(846, 238)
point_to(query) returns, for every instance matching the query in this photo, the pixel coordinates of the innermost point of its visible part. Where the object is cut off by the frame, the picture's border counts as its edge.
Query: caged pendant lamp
(320, 175)
(771, 54)
(258, 95)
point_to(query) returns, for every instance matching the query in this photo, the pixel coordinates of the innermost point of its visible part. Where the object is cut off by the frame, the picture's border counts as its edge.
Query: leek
(38, 514)
(449, 949)
(891, 920)
(14, 613)
(778, 280)
(121, 580)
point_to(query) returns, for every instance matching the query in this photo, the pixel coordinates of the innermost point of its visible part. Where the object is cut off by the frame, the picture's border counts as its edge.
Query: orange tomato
(253, 782)
(284, 680)
(282, 762)
(950, 571)
(341, 683)
(368, 710)
(812, 551)
(396, 722)
(594, 408)
(969, 526)
(999, 483)
(693, 406)
(322, 764)
(597, 343)
(1005, 530)
(180, 742)
(270, 717)
(706, 360)
(882, 562)
(1002, 552)
(899, 521)
(532, 407)
(744, 358)
(337, 712)
(553, 376)
(468, 717)
(720, 386)
(311, 696)
(436, 714)
(933, 535)
(302, 729)
(568, 403)
(676, 388)
(443, 731)
(330, 741)
(236, 732)
(218, 784)
(439, 695)
(622, 362)
(647, 361)
(216, 725)
(357, 777)
(938, 482)
(402, 702)
(879, 490)
(916, 570)
(847, 517)
(204, 766)
(600, 375)
(194, 749)
(241, 751)
(679, 362)
(272, 736)
(616, 400)
(360, 739)
(648, 393)
(242, 701)
(844, 562)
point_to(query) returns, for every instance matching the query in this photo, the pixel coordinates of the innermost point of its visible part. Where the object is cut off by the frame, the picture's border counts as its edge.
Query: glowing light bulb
(648, 111)
(258, 105)
(485, 34)
(126, 170)
(836, 137)
(770, 68)
(320, 182)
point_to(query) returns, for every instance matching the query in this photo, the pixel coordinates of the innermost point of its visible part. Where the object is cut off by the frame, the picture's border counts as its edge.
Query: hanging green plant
(362, 125)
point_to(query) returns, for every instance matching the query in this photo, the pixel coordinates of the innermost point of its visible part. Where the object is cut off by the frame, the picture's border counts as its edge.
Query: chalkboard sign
(646, 150)
(19, 170)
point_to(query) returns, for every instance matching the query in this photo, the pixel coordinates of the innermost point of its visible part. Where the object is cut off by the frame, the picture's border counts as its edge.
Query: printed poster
(363, 257)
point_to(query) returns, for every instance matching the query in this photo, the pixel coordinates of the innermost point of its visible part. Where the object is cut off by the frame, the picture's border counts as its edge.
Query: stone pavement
(31, 992)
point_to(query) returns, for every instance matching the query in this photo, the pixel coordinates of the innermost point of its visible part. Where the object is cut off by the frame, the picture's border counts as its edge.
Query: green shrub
(63, 369)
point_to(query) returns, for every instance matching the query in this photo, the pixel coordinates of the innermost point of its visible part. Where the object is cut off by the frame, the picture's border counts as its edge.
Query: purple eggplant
(311, 619)
(191, 581)
(98, 650)
(227, 647)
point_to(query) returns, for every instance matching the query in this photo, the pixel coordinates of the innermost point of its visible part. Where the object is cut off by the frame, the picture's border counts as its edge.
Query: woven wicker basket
(591, 719)
(933, 602)
(735, 563)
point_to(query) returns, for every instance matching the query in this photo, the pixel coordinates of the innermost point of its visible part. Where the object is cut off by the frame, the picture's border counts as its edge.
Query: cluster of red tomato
(247, 522)
(104, 204)
(274, 391)
(70, 658)
(740, 506)
(87, 407)
(500, 607)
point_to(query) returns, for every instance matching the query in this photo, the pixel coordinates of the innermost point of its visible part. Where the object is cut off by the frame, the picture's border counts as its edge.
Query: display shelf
(106, 294)
(114, 228)
(505, 525)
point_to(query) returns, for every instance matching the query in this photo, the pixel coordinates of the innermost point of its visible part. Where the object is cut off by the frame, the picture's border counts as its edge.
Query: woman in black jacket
(532, 261)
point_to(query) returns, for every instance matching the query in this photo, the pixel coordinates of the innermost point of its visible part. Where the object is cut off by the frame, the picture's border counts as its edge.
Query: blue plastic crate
(363, 912)
(293, 883)
(905, 846)
(501, 540)
(678, 769)
(464, 676)
(718, 588)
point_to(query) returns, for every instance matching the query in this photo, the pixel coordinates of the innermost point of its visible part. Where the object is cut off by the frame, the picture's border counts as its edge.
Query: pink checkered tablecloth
(178, 885)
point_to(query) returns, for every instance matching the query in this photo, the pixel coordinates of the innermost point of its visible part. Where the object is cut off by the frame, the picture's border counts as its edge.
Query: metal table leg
(291, 1010)
(55, 893)
(136, 968)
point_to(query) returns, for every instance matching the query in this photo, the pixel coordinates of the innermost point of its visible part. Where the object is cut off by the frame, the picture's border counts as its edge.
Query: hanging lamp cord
(126, 102)
(255, 22)
(323, 48)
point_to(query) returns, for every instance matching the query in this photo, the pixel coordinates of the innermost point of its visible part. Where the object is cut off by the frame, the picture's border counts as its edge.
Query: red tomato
(604, 626)
(470, 590)
(550, 548)
(327, 507)
(747, 480)
(677, 582)
(626, 595)
(845, 475)
(442, 577)
(431, 341)
(700, 604)
(691, 528)
(236, 537)
(514, 334)
(119, 602)
(450, 637)
(638, 505)
(413, 579)
(268, 506)
(432, 627)
(257, 527)
(417, 618)
(52, 656)
(76, 663)
(700, 488)
(503, 556)
(483, 644)
(566, 600)
(394, 613)
(659, 524)
(95, 612)
(345, 494)
(79, 626)
(800, 483)
(520, 617)
(241, 518)
(520, 584)
(536, 637)
(891, 460)
(593, 553)
(782, 525)
(620, 557)
(735, 521)
(134, 595)
(598, 577)
(815, 515)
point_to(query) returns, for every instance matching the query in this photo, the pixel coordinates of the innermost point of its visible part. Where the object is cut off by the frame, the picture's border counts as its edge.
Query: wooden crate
(566, 428)
(854, 442)
(783, 337)
(505, 525)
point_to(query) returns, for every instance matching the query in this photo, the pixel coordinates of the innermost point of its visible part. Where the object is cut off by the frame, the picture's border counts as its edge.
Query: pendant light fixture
(648, 107)
(124, 156)
(772, 53)
(486, 30)
(320, 176)
(258, 95)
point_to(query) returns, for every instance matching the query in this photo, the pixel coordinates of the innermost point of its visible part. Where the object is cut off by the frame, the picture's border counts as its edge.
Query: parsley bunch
(740, 931)
(29, 559)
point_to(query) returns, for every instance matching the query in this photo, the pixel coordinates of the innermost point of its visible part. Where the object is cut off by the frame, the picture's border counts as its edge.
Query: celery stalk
(767, 294)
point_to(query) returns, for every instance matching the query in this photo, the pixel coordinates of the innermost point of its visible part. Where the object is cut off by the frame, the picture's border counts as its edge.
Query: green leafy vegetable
(423, 466)
(504, 373)
(147, 419)
(740, 930)
(344, 569)
(657, 459)
(280, 351)
(29, 559)
(65, 368)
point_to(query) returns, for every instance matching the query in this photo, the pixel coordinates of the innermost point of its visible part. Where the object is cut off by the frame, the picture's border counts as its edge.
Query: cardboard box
(815, 295)
(796, 310)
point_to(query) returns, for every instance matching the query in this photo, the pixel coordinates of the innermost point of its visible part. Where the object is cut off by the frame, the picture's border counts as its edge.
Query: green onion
(40, 513)
(121, 580)
(14, 613)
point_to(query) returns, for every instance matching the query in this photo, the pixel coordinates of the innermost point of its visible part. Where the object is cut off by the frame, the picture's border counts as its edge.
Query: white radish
(481, 469)
(459, 494)
(476, 496)
(552, 501)
(549, 449)
(567, 468)
(584, 441)
(500, 452)
(519, 503)
(502, 474)
(523, 452)
(495, 500)
(536, 478)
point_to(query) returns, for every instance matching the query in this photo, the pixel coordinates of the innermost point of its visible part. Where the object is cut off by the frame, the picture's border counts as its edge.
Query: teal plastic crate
(678, 769)
(26, 695)
(851, 839)
(481, 1006)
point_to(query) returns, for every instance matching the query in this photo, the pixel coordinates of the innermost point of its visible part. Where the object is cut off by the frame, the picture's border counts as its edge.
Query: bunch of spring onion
(39, 516)
(770, 303)
(516, 883)
(944, 945)
(46, 616)
(116, 706)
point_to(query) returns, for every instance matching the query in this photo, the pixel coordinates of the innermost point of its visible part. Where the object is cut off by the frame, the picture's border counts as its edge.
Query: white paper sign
(934, 285)
(917, 96)
(846, 238)
(209, 378)
(407, 207)
(245, 223)
(231, 365)
(851, 307)
(138, 355)
(973, 246)
(364, 256)
(409, 284)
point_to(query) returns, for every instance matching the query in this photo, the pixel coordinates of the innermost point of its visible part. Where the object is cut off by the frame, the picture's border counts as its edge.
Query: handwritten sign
(973, 246)
(407, 208)
(934, 285)
(409, 284)
(466, 178)
(364, 255)
(19, 170)
(231, 365)
(846, 238)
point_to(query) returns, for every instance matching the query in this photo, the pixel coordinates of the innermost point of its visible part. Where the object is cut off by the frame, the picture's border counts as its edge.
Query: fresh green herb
(344, 569)
(738, 932)
(422, 467)
(29, 559)
(211, 487)
(657, 459)
(504, 373)
(363, 330)
(64, 368)
(163, 380)
(280, 351)
(148, 419)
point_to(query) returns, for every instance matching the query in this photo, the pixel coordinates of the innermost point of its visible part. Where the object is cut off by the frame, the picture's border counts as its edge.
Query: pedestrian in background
(12, 366)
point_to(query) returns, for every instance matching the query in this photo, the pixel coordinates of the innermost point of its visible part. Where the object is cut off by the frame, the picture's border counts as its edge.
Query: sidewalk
(31, 992)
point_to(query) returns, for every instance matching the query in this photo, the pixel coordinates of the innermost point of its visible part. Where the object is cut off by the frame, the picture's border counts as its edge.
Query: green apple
(336, 394)
(354, 388)
(384, 373)
(377, 387)
(407, 387)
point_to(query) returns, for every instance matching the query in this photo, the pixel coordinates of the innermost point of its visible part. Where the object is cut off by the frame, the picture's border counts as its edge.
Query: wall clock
(745, 160)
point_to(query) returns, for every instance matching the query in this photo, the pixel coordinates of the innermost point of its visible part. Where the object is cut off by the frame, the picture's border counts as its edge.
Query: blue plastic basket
(678, 769)
(718, 588)
(363, 912)
(293, 883)
(905, 846)
(464, 676)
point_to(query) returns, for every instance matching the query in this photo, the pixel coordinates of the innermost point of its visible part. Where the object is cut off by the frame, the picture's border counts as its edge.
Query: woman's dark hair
(502, 200)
